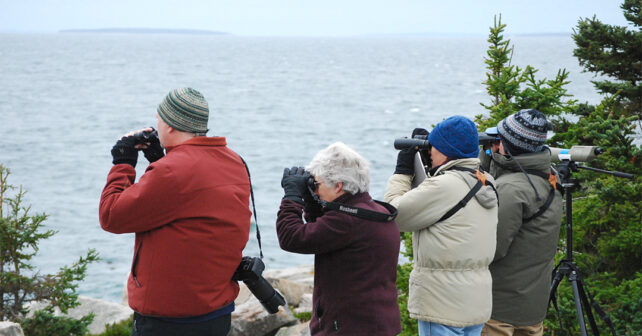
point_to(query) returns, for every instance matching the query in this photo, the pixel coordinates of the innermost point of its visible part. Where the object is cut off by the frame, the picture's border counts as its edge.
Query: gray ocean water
(66, 98)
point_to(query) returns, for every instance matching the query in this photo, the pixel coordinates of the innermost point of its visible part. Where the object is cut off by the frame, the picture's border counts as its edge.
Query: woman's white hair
(340, 163)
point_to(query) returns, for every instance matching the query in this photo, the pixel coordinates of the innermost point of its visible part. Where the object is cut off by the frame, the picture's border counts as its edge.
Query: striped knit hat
(186, 110)
(524, 131)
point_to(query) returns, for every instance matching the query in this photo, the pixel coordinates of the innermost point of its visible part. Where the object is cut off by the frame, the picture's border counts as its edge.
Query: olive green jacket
(523, 260)
(450, 282)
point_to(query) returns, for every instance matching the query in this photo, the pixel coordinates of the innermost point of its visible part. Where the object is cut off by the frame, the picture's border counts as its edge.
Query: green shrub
(123, 328)
(303, 316)
(21, 282)
(44, 323)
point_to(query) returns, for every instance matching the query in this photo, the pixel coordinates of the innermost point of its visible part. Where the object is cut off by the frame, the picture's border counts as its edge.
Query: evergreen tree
(607, 220)
(20, 282)
(512, 88)
(614, 52)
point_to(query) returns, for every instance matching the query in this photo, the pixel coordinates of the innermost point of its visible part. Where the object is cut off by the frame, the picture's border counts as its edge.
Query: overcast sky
(305, 17)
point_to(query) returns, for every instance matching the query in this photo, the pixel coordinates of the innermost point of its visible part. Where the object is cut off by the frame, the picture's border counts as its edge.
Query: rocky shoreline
(248, 319)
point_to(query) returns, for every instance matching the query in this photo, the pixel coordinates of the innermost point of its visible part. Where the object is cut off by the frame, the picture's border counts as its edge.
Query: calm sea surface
(66, 98)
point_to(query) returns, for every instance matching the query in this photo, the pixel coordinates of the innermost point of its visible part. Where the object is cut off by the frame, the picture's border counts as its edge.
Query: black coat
(355, 267)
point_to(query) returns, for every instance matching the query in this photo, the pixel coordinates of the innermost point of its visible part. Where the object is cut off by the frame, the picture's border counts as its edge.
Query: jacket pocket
(135, 263)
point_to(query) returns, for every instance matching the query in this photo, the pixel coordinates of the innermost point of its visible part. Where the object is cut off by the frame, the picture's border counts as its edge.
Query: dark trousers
(150, 326)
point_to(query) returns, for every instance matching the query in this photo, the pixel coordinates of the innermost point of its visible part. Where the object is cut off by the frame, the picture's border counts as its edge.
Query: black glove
(154, 150)
(425, 154)
(406, 161)
(419, 131)
(295, 184)
(406, 157)
(124, 151)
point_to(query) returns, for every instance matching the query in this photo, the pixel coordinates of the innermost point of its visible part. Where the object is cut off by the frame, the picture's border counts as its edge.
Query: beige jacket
(450, 283)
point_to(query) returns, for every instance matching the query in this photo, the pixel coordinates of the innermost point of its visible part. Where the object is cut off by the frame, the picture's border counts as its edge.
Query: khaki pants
(498, 328)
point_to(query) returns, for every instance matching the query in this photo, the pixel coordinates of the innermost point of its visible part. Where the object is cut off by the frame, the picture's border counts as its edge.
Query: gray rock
(292, 282)
(291, 290)
(105, 312)
(305, 306)
(302, 329)
(303, 275)
(10, 329)
(250, 318)
(244, 295)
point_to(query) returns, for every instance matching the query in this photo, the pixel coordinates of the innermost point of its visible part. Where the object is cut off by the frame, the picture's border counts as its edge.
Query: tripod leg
(597, 308)
(587, 306)
(557, 277)
(578, 302)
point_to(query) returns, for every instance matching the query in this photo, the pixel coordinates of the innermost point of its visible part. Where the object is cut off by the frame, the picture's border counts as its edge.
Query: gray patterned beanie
(524, 131)
(186, 110)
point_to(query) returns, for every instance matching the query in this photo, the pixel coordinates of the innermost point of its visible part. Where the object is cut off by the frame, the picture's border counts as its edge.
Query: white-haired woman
(355, 265)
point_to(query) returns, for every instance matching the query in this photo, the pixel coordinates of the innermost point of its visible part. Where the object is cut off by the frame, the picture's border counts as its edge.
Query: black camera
(249, 271)
(146, 137)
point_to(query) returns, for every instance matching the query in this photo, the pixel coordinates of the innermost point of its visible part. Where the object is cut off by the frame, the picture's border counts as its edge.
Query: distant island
(145, 31)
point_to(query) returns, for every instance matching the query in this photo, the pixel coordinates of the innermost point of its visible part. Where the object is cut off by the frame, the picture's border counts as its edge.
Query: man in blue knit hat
(452, 215)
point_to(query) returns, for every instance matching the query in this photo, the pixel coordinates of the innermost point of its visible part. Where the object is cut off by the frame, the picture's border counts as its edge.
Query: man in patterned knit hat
(190, 213)
(530, 214)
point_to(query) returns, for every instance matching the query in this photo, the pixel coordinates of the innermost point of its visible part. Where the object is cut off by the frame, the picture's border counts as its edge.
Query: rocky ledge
(249, 317)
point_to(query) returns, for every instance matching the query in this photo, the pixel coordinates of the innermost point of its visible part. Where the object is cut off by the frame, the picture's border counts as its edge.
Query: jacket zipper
(136, 263)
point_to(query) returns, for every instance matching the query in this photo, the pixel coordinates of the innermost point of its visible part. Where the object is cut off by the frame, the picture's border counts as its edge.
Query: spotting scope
(575, 153)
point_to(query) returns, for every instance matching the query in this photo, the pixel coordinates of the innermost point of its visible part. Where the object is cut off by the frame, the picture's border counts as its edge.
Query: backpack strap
(552, 180)
(481, 181)
(480, 174)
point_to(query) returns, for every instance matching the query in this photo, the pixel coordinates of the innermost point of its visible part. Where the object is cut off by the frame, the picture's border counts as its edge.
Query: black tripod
(567, 268)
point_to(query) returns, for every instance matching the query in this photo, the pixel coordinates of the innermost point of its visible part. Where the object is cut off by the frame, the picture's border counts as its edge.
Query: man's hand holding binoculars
(126, 149)
(406, 156)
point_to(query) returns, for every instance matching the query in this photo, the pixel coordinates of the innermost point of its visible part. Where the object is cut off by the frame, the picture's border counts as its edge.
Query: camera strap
(362, 213)
(256, 221)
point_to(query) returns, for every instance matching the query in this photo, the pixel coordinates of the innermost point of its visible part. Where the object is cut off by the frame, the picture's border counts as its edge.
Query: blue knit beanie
(455, 137)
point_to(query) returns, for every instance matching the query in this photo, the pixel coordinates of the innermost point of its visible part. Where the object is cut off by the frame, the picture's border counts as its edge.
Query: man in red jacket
(190, 213)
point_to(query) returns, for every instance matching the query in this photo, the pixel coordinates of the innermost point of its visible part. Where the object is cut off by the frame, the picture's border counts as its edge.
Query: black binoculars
(145, 137)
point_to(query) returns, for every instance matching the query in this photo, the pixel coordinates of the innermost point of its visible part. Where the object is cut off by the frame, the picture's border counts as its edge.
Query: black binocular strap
(364, 213)
(256, 221)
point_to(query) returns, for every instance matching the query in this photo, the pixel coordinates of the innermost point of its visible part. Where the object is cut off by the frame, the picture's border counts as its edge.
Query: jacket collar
(472, 163)
(536, 161)
(201, 141)
(348, 198)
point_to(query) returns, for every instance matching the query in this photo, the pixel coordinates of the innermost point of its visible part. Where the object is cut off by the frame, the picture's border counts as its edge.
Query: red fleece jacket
(190, 212)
